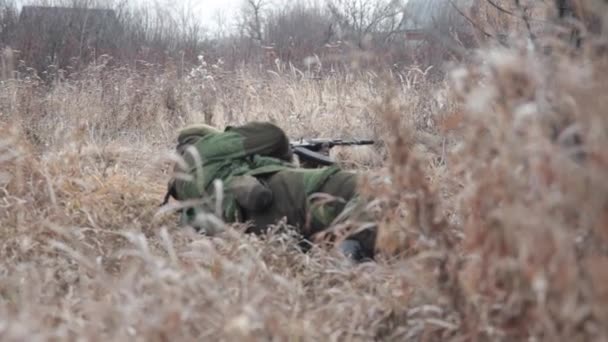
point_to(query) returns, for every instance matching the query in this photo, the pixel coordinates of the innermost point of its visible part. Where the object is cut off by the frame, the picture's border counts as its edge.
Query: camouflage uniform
(262, 186)
(294, 192)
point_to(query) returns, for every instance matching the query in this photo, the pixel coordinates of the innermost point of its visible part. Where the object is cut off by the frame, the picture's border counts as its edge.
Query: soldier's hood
(196, 130)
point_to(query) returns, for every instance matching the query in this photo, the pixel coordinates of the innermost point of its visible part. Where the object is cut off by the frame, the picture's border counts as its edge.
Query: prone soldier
(263, 186)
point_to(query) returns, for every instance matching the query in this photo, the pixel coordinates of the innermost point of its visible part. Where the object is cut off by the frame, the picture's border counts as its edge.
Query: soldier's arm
(250, 193)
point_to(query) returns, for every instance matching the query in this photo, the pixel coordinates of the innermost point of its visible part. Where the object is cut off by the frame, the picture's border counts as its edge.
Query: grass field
(492, 191)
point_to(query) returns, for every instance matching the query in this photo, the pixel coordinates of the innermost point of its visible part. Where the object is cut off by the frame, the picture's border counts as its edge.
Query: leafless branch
(525, 18)
(471, 21)
(511, 13)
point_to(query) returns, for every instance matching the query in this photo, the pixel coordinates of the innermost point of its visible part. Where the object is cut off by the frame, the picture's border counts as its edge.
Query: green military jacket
(256, 149)
(253, 162)
(218, 155)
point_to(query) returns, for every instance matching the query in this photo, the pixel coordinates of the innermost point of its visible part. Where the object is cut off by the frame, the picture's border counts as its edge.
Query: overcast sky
(206, 9)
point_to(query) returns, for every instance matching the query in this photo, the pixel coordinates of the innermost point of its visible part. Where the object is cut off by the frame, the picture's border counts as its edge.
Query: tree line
(323, 34)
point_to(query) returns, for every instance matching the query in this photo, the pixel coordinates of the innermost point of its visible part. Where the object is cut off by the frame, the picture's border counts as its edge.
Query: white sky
(205, 9)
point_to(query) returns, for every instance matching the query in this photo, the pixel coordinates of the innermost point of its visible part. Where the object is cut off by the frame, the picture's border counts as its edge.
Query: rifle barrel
(336, 141)
(311, 143)
(354, 142)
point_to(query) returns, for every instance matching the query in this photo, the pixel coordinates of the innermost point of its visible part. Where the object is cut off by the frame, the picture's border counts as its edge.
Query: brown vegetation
(490, 188)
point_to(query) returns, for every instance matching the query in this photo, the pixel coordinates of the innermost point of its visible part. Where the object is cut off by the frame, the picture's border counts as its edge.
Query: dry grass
(494, 221)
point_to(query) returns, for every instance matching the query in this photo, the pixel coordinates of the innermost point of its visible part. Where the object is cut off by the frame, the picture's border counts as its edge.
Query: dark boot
(353, 250)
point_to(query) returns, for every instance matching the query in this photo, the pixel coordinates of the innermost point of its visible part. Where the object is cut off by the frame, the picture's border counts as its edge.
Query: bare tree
(221, 24)
(587, 14)
(252, 18)
(298, 30)
(8, 21)
(363, 19)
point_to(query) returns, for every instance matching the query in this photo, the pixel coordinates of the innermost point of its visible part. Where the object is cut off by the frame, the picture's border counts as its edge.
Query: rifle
(315, 152)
